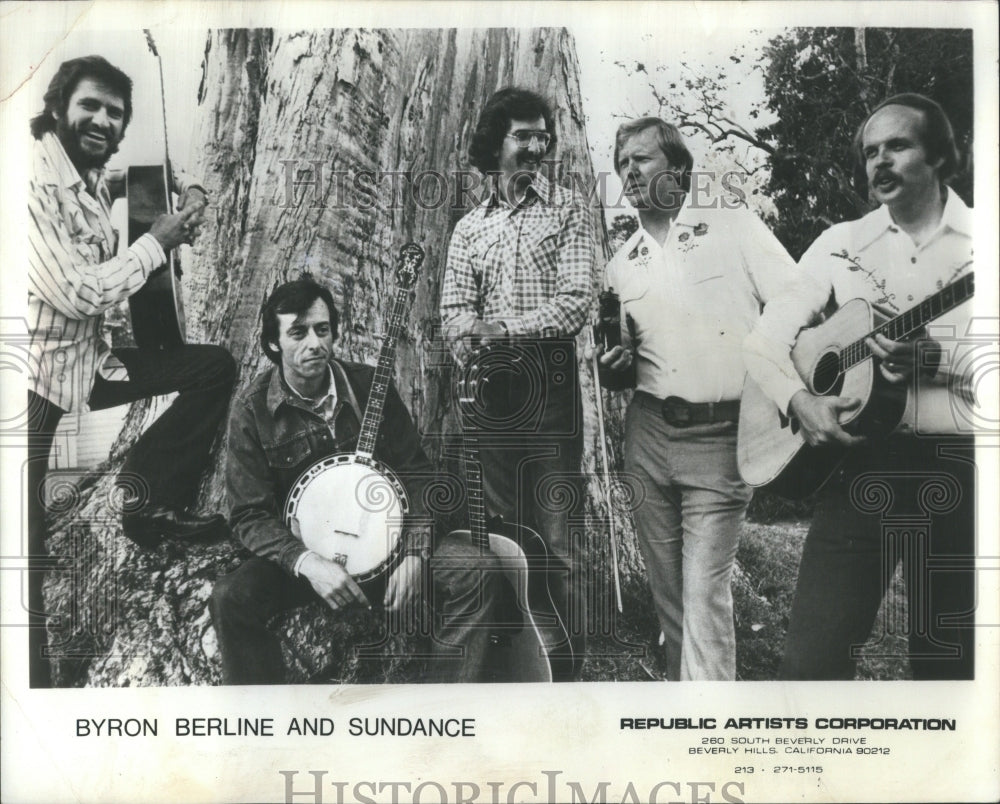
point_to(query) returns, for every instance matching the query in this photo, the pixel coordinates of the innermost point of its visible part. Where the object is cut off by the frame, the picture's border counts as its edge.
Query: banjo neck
(410, 258)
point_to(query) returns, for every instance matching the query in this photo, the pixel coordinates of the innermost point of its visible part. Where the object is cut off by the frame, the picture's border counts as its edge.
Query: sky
(611, 87)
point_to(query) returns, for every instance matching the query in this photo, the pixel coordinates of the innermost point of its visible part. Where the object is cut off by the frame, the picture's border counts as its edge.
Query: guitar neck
(907, 323)
(383, 376)
(474, 494)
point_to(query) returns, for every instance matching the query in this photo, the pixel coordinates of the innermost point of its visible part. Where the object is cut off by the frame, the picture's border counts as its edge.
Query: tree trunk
(320, 152)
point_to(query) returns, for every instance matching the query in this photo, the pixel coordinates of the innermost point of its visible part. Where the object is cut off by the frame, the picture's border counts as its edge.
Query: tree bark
(320, 151)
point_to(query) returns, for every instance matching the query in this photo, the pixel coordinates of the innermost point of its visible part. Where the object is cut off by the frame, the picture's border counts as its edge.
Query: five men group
(707, 293)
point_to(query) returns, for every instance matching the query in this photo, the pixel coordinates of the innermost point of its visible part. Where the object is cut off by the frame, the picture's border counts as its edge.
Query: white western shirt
(875, 260)
(693, 300)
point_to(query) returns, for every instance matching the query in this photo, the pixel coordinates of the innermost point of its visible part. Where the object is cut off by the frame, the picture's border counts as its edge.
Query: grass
(763, 588)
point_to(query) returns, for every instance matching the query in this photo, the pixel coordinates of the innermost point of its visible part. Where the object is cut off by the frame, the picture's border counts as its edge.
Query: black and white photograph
(499, 402)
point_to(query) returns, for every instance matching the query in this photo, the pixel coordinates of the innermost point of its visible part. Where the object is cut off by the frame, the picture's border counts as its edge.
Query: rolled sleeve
(791, 303)
(63, 272)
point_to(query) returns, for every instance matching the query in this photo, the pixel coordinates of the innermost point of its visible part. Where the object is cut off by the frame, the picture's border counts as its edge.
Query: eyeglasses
(527, 138)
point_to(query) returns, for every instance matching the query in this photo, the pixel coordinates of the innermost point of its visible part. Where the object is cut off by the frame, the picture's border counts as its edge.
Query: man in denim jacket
(310, 406)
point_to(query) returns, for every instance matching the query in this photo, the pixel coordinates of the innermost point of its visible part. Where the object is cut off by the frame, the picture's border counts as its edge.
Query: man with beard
(692, 281)
(75, 274)
(520, 272)
(917, 241)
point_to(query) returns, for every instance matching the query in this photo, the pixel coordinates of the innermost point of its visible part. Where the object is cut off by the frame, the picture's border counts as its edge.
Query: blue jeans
(690, 504)
(465, 590)
(894, 500)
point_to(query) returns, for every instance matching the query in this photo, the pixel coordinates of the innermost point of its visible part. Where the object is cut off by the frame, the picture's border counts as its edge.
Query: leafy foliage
(621, 229)
(820, 84)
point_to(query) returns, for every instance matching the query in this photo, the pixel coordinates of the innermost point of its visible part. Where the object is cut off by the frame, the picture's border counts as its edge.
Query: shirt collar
(63, 172)
(688, 217)
(537, 187)
(278, 391)
(956, 216)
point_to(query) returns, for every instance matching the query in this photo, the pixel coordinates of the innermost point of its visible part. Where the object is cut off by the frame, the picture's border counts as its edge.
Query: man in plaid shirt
(520, 274)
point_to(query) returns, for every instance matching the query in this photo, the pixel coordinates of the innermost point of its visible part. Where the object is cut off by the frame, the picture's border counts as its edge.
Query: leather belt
(678, 412)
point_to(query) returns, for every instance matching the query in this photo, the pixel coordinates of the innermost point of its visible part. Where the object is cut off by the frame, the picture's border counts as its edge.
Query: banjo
(349, 507)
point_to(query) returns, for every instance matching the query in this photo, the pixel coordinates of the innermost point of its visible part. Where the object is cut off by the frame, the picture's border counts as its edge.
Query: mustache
(884, 173)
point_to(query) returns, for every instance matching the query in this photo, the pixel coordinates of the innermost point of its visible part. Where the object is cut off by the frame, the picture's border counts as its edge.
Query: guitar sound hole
(827, 379)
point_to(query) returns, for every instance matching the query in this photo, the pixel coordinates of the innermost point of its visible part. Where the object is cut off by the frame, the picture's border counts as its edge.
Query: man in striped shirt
(521, 272)
(75, 274)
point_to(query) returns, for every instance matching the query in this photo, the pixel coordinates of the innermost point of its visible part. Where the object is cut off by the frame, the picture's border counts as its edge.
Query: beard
(70, 135)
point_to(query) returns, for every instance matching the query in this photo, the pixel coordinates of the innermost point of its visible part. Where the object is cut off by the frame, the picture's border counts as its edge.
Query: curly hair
(936, 134)
(511, 103)
(292, 297)
(64, 83)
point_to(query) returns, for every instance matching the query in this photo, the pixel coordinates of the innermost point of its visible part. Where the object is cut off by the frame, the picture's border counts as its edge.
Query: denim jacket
(274, 437)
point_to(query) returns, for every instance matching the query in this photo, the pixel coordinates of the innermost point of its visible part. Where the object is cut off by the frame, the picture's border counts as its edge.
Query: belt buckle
(676, 411)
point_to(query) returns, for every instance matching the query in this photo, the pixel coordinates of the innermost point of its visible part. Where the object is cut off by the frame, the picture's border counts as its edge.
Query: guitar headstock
(150, 43)
(411, 257)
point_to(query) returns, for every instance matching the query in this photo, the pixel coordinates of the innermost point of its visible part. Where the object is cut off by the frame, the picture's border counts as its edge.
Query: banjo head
(349, 510)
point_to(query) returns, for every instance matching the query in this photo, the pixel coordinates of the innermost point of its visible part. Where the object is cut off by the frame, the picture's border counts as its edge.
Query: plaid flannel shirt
(531, 266)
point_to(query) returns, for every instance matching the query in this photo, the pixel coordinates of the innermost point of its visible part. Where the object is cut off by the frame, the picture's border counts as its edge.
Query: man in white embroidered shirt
(923, 473)
(692, 281)
(74, 275)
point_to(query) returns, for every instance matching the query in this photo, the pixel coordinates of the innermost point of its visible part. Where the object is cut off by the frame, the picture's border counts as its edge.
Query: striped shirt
(531, 266)
(74, 273)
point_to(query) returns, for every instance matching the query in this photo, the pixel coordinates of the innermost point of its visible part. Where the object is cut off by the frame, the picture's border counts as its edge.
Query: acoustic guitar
(833, 360)
(519, 651)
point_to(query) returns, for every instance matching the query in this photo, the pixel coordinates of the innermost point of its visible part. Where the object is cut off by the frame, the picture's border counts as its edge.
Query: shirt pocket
(542, 246)
(288, 454)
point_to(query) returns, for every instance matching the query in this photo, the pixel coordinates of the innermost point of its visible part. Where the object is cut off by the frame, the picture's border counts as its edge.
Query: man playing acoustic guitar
(309, 406)
(75, 274)
(909, 493)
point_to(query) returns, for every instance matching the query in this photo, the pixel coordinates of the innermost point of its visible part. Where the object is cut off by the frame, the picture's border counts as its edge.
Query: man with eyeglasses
(519, 280)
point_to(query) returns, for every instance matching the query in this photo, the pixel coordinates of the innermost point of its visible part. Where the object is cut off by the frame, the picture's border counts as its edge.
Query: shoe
(156, 523)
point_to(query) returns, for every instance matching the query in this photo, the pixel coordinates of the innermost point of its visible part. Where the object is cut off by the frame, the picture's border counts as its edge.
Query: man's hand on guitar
(479, 334)
(402, 593)
(332, 583)
(819, 417)
(194, 196)
(898, 357)
(179, 227)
